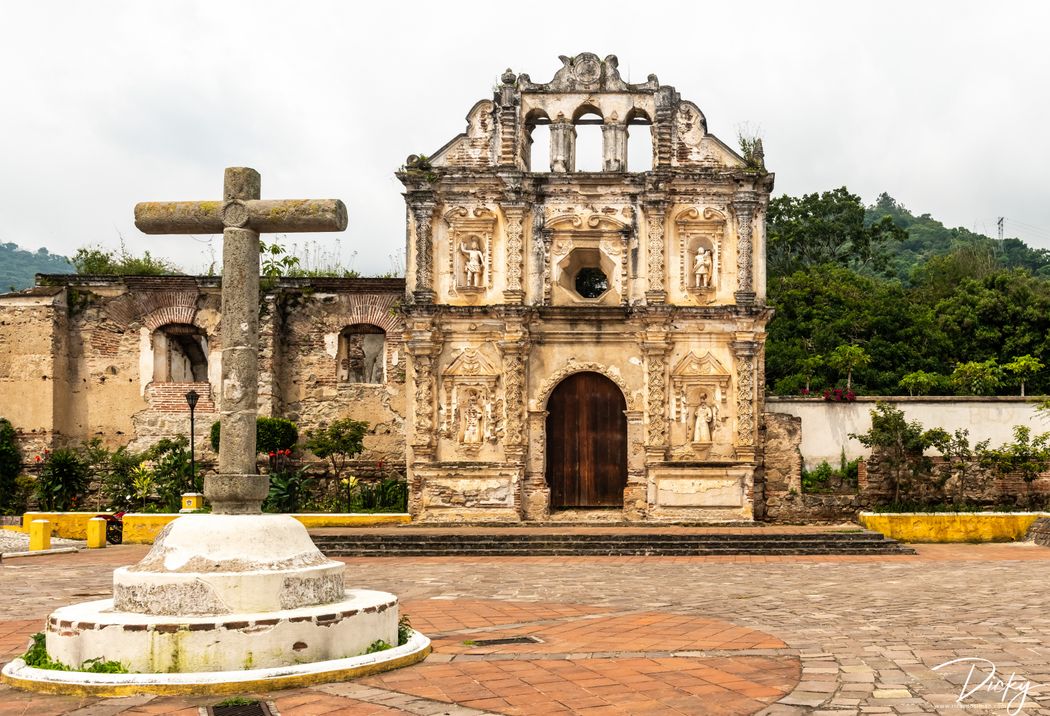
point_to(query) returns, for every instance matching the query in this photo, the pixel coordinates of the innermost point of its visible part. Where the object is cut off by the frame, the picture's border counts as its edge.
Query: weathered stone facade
(110, 357)
(521, 275)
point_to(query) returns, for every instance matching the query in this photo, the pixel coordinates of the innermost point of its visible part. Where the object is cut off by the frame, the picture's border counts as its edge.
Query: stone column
(236, 488)
(614, 147)
(745, 349)
(656, 347)
(423, 215)
(655, 216)
(515, 229)
(509, 130)
(744, 206)
(563, 146)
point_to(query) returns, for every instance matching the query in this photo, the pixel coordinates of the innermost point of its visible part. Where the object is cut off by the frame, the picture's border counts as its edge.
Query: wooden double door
(586, 442)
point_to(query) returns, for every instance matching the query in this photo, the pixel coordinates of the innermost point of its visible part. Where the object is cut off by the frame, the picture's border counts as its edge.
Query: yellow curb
(952, 526)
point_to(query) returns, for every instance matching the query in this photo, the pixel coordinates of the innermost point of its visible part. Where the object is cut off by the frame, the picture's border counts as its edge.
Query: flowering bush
(839, 395)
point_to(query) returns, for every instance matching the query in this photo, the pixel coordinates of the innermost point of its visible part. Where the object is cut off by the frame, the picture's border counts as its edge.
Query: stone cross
(241, 216)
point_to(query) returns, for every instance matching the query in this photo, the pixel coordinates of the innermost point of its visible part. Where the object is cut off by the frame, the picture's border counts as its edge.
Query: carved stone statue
(703, 266)
(473, 420)
(704, 421)
(474, 263)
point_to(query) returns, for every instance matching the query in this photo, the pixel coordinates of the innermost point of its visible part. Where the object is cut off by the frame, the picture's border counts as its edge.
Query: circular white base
(154, 644)
(80, 683)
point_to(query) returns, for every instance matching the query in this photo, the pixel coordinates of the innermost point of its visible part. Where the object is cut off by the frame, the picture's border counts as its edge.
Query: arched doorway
(586, 442)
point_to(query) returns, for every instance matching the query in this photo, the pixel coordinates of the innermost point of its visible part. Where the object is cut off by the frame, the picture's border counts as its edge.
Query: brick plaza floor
(647, 635)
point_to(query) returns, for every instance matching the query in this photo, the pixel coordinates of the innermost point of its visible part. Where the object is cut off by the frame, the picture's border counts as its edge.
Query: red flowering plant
(839, 395)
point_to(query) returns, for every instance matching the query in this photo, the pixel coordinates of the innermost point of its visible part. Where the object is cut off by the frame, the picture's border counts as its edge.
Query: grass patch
(37, 657)
(377, 646)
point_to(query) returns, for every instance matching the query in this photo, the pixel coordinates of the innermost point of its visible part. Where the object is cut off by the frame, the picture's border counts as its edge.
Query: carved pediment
(695, 366)
(584, 223)
(470, 364)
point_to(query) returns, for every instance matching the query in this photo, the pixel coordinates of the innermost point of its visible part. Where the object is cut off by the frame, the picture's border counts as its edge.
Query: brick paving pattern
(646, 635)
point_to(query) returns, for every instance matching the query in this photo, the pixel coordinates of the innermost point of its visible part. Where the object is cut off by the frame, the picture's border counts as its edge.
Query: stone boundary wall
(826, 425)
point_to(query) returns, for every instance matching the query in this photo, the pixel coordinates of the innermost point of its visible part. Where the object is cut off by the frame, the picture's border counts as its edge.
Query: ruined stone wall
(77, 360)
(310, 390)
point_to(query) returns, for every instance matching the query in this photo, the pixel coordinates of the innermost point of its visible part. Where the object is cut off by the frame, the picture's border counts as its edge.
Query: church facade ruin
(566, 344)
(582, 340)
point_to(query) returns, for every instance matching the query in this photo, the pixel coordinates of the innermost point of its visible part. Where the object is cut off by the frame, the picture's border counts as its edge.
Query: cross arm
(260, 215)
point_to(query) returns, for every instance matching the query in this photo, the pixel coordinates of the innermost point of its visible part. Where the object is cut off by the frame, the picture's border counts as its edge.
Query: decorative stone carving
(745, 393)
(701, 236)
(656, 369)
(471, 413)
(654, 216)
(423, 380)
(515, 251)
(699, 389)
(744, 207)
(572, 367)
(469, 249)
(423, 213)
(514, 392)
(690, 125)
(573, 242)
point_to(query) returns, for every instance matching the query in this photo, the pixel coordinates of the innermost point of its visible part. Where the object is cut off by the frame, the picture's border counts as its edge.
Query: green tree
(64, 478)
(977, 377)
(848, 358)
(900, 446)
(809, 366)
(826, 228)
(1023, 368)
(1026, 455)
(10, 465)
(919, 382)
(339, 442)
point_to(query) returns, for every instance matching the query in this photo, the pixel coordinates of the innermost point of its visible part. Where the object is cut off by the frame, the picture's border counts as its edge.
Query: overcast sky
(945, 105)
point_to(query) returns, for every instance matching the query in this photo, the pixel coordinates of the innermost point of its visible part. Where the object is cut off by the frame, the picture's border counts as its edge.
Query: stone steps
(479, 544)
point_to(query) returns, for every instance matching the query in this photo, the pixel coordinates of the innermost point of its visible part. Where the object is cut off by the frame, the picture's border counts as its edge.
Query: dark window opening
(591, 282)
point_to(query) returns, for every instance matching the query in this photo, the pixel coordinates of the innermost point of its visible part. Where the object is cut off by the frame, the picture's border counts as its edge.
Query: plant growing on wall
(959, 457)
(10, 466)
(1027, 456)
(64, 478)
(899, 445)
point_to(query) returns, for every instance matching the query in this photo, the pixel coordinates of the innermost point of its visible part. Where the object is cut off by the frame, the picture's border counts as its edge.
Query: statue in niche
(474, 261)
(703, 266)
(704, 420)
(473, 420)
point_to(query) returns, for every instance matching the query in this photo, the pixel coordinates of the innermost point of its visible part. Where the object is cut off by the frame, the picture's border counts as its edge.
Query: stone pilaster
(423, 215)
(655, 347)
(537, 497)
(745, 350)
(515, 252)
(508, 99)
(656, 248)
(744, 207)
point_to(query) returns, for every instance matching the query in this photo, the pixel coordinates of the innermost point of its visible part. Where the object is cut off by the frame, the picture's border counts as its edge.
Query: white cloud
(942, 104)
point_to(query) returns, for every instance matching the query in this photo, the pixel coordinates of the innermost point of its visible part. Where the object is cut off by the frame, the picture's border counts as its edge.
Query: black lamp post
(191, 400)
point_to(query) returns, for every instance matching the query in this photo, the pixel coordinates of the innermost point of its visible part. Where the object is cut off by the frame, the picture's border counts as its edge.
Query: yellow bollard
(192, 501)
(96, 533)
(39, 535)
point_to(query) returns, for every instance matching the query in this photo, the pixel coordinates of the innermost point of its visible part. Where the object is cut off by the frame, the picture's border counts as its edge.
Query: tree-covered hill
(894, 303)
(18, 266)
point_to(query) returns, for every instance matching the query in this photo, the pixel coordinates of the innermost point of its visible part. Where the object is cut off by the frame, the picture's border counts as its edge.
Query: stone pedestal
(223, 593)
